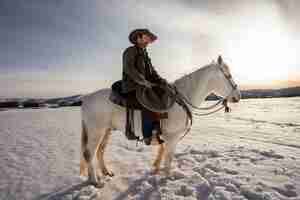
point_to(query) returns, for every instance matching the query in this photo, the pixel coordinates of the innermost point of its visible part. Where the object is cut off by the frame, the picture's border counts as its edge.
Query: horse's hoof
(97, 184)
(108, 173)
(84, 174)
(111, 174)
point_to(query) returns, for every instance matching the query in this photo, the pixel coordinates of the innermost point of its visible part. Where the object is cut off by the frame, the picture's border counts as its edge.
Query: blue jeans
(148, 126)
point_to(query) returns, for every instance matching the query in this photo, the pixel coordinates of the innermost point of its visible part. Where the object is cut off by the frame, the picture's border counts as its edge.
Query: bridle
(186, 104)
(184, 101)
(222, 101)
(229, 78)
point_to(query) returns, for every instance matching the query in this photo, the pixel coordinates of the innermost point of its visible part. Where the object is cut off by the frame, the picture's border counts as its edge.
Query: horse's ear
(220, 60)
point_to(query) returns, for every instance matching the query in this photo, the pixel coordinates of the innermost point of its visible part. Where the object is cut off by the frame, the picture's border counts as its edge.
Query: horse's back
(96, 105)
(96, 96)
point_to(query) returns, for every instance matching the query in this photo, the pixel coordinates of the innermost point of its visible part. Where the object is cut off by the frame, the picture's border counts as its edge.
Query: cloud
(84, 40)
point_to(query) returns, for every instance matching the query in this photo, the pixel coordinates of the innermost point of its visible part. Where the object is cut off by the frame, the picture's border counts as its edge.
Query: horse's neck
(195, 86)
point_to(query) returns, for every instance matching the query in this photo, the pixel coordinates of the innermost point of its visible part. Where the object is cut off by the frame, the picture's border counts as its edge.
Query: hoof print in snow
(293, 158)
(89, 192)
(289, 186)
(232, 188)
(282, 171)
(209, 153)
(200, 158)
(230, 171)
(285, 192)
(195, 151)
(212, 167)
(184, 191)
(250, 194)
(255, 160)
(269, 154)
(176, 175)
(222, 194)
(205, 172)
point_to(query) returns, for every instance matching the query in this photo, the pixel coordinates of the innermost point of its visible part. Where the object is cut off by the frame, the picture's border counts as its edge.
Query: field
(251, 153)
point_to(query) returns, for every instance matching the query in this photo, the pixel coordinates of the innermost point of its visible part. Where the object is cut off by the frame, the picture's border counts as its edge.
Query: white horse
(100, 116)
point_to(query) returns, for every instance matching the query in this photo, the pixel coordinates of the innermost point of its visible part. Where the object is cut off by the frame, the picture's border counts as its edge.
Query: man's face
(144, 40)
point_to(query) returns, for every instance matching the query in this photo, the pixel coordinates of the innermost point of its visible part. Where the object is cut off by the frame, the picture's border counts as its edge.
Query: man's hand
(149, 84)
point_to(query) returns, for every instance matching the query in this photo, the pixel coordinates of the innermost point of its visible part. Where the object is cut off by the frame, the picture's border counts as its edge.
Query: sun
(261, 55)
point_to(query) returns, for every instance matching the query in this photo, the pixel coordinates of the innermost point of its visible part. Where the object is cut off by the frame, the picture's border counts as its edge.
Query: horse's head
(224, 83)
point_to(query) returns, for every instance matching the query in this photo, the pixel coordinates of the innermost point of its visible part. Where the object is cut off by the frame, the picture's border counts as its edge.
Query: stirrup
(132, 136)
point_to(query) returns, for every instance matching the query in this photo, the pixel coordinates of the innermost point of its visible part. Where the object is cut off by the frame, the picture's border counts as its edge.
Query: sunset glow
(265, 51)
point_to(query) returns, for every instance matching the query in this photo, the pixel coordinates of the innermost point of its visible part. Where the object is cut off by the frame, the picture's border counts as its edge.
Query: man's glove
(149, 84)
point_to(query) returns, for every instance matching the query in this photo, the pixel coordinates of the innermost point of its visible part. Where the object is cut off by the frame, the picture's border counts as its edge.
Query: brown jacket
(137, 69)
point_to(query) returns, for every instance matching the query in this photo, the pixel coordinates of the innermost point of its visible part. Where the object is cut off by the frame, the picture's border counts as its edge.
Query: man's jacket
(137, 69)
(138, 74)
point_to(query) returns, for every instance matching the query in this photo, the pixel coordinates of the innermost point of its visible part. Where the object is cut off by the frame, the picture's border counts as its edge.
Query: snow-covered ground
(252, 153)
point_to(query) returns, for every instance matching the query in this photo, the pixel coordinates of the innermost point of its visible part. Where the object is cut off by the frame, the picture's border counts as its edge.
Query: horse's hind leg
(83, 166)
(156, 164)
(83, 163)
(100, 153)
(89, 147)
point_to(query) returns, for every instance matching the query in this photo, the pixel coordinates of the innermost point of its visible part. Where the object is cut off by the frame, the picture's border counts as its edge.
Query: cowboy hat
(134, 34)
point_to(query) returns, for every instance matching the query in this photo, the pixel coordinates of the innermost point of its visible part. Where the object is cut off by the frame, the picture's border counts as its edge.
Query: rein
(203, 108)
(196, 108)
(184, 101)
(224, 102)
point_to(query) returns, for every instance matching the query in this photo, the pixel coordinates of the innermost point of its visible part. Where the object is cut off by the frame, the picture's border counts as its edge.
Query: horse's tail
(85, 154)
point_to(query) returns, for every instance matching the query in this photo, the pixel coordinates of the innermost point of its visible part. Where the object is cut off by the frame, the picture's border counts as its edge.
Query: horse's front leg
(156, 164)
(169, 154)
(100, 154)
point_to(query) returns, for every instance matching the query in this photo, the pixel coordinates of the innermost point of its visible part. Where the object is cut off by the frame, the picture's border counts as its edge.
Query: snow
(252, 153)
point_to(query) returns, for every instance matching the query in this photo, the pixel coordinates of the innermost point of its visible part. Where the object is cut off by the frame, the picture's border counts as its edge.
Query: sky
(53, 48)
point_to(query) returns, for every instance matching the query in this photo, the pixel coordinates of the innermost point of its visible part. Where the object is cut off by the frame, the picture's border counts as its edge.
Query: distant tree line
(265, 93)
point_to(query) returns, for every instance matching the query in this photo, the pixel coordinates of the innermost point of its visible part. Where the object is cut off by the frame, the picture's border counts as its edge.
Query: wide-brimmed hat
(133, 35)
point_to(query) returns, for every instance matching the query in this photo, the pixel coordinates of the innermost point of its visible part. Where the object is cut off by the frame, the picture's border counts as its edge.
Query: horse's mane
(194, 70)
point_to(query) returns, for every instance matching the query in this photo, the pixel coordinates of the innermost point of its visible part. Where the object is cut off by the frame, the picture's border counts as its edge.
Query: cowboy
(139, 72)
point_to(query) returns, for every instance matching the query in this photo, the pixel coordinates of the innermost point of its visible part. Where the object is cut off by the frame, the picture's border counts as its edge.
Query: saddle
(122, 99)
(150, 120)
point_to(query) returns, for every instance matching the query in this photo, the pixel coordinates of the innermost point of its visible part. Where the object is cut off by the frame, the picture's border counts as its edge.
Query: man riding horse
(138, 72)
